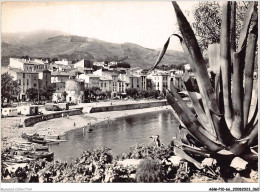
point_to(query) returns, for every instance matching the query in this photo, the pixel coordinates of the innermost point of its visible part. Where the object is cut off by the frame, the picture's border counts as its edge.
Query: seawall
(127, 106)
(35, 119)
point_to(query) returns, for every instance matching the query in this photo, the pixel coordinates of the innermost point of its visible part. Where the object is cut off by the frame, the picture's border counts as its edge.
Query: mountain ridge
(75, 47)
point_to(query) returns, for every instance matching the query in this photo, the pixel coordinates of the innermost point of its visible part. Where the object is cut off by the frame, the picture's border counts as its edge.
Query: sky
(148, 24)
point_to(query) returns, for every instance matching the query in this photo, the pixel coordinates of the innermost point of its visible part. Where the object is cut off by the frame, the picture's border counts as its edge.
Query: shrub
(150, 171)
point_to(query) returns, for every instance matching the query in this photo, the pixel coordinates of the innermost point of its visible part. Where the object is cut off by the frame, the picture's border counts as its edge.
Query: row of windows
(104, 84)
(34, 77)
(27, 83)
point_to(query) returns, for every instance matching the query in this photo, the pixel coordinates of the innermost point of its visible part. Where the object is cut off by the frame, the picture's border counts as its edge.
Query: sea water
(118, 135)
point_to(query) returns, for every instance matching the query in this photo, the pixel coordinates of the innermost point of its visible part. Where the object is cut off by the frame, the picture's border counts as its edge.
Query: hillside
(30, 38)
(76, 48)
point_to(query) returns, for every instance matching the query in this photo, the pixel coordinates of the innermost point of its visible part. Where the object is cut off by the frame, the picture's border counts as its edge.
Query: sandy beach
(59, 126)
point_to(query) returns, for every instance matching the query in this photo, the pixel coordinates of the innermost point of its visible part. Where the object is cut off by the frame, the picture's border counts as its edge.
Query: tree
(54, 59)
(25, 57)
(123, 65)
(108, 94)
(32, 94)
(64, 95)
(143, 93)
(47, 92)
(207, 15)
(92, 92)
(9, 87)
(132, 92)
(209, 125)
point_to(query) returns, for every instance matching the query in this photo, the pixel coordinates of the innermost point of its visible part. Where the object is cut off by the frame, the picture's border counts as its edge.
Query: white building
(105, 84)
(63, 62)
(90, 80)
(159, 80)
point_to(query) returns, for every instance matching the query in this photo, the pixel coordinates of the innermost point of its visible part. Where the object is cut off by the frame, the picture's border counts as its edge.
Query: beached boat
(18, 159)
(41, 155)
(35, 138)
(29, 147)
(41, 148)
(39, 141)
(51, 141)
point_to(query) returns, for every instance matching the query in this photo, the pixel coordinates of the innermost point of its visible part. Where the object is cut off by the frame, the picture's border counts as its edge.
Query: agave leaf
(238, 66)
(254, 118)
(182, 103)
(249, 67)
(233, 30)
(254, 103)
(203, 96)
(237, 128)
(246, 24)
(163, 51)
(195, 102)
(193, 128)
(200, 71)
(177, 117)
(250, 157)
(252, 135)
(181, 153)
(189, 113)
(198, 65)
(239, 146)
(222, 129)
(190, 150)
(225, 61)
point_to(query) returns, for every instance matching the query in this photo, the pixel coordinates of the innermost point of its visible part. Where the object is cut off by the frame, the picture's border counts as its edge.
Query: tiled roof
(43, 70)
(56, 73)
(22, 71)
(92, 75)
(105, 79)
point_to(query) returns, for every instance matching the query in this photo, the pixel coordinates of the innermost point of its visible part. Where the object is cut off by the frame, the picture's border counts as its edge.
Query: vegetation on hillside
(96, 50)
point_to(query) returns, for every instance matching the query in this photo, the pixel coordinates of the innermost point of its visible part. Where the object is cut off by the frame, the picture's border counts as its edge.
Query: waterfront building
(59, 76)
(135, 71)
(105, 84)
(44, 78)
(60, 67)
(124, 82)
(114, 84)
(90, 80)
(62, 62)
(143, 84)
(58, 95)
(26, 80)
(85, 65)
(26, 64)
(121, 87)
(74, 91)
(134, 81)
(159, 79)
(113, 76)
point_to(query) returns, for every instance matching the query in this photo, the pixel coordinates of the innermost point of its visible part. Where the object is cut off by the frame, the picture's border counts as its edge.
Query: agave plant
(226, 121)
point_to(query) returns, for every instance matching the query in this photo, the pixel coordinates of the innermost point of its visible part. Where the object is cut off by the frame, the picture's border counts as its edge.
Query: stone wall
(38, 118)
(127, 107)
